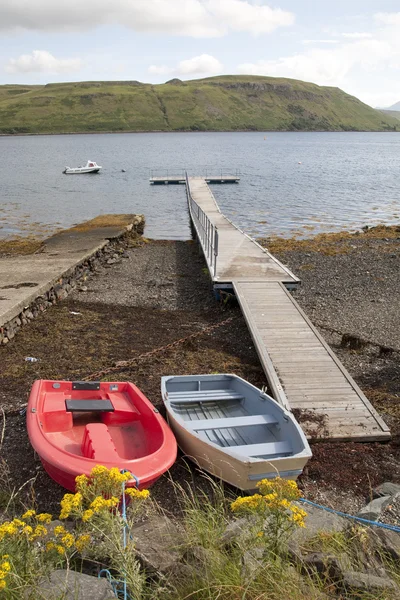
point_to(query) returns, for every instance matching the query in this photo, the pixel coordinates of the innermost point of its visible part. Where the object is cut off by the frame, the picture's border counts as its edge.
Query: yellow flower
(5, 566)
(137, 494)
(76, 501)
(246, 503)
(260, 534)
(60, 530)
(87, 515)
(60, 549)
(82, 542)
(50, 546)
(39, 531)
(98, 470)
(81, 481)
(2, 574)
(44, 518)
(113, 501)
(28, 530)
(68, 540)
(285, 488)
(66, 506)
(2, 584)
(98, 503)
(18, 522)
(29, 513)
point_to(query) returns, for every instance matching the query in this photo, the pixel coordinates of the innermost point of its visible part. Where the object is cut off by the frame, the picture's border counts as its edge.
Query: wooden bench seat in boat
(240, 421)
(268, 449)
(98, 444)
(203, 396)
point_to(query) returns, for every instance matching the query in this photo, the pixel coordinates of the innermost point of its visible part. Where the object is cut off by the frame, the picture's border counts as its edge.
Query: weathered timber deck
(239, 256)
(294, 354)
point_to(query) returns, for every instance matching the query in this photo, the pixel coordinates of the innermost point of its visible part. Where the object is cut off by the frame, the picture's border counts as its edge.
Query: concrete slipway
(24, 278)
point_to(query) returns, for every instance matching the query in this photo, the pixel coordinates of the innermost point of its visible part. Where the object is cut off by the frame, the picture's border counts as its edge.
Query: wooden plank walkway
(239, 256)
(302, 371)
(311, 376)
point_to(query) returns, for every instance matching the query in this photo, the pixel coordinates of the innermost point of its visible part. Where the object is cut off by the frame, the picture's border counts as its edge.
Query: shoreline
(200, 131)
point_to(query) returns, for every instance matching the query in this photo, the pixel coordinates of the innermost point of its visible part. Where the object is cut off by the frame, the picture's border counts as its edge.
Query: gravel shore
(159, 292)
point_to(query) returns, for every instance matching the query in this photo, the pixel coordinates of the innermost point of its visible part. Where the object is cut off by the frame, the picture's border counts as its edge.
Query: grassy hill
(395, 114)
(226, 103)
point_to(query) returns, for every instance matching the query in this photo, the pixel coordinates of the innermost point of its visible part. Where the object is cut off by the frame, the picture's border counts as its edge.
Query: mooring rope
(115, 583)
(359, 519)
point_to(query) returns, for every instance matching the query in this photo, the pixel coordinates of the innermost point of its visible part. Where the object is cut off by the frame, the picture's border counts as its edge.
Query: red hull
(132, 436)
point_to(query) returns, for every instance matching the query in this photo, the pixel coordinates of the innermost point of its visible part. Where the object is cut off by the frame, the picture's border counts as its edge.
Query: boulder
(327, 566)
(389, 542)
(386, 489)
(157, 544)
(236, 530)
(316, 520)
(252, 562)
(372, 511)
(364, 583)
(70, 585)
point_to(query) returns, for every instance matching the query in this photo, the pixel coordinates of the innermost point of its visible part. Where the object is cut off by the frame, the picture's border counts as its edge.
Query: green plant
(274, 510)
(29, 547)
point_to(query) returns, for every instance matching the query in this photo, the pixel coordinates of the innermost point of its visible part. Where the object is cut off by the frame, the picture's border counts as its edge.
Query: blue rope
(359, 519)
(115, 583)
(110, 579)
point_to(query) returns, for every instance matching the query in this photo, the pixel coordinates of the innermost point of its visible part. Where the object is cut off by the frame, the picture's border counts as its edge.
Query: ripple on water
(346, 180)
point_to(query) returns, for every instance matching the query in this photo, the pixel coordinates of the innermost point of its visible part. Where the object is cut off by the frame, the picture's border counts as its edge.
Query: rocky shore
(145, 297)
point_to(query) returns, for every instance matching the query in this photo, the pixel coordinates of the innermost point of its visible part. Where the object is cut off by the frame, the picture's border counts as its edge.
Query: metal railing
(206, 231)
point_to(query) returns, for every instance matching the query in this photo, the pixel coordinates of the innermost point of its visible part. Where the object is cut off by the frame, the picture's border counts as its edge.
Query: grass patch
(20, 246)
(105, 221)
(331, 244)
(211, 565)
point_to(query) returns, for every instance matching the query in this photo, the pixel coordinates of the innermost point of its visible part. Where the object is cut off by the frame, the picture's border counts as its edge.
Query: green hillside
(226, 103)
(391, 113)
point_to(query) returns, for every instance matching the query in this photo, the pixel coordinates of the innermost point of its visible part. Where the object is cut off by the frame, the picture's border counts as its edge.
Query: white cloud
(323, 66)
(42, 61)
(357, 35)
(256, 18)
(193, 18)
(306, 42)
(198, 65)
(387, 18)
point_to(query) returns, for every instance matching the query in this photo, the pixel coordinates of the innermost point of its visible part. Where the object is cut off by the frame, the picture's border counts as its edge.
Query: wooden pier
(177, 179)
(302, 371)
(230, 253)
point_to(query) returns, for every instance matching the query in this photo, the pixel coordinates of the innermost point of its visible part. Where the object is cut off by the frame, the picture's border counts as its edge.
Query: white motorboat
(234, 430)
(90, 167)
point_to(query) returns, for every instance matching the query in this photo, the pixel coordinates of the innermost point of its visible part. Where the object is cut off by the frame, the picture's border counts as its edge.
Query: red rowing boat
(74, 426)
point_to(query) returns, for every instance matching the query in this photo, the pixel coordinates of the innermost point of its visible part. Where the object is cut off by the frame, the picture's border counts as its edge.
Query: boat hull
(233, 430)
(71, 439)
(81, 171)
(239, 473)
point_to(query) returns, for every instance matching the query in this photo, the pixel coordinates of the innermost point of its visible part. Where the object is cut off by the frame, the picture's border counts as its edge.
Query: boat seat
(98, 444)
(240, 421)
(203, 396)
(88, 405)
(269, 449)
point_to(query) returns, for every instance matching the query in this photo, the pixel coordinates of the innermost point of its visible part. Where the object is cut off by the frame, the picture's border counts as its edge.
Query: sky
(353, 44)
